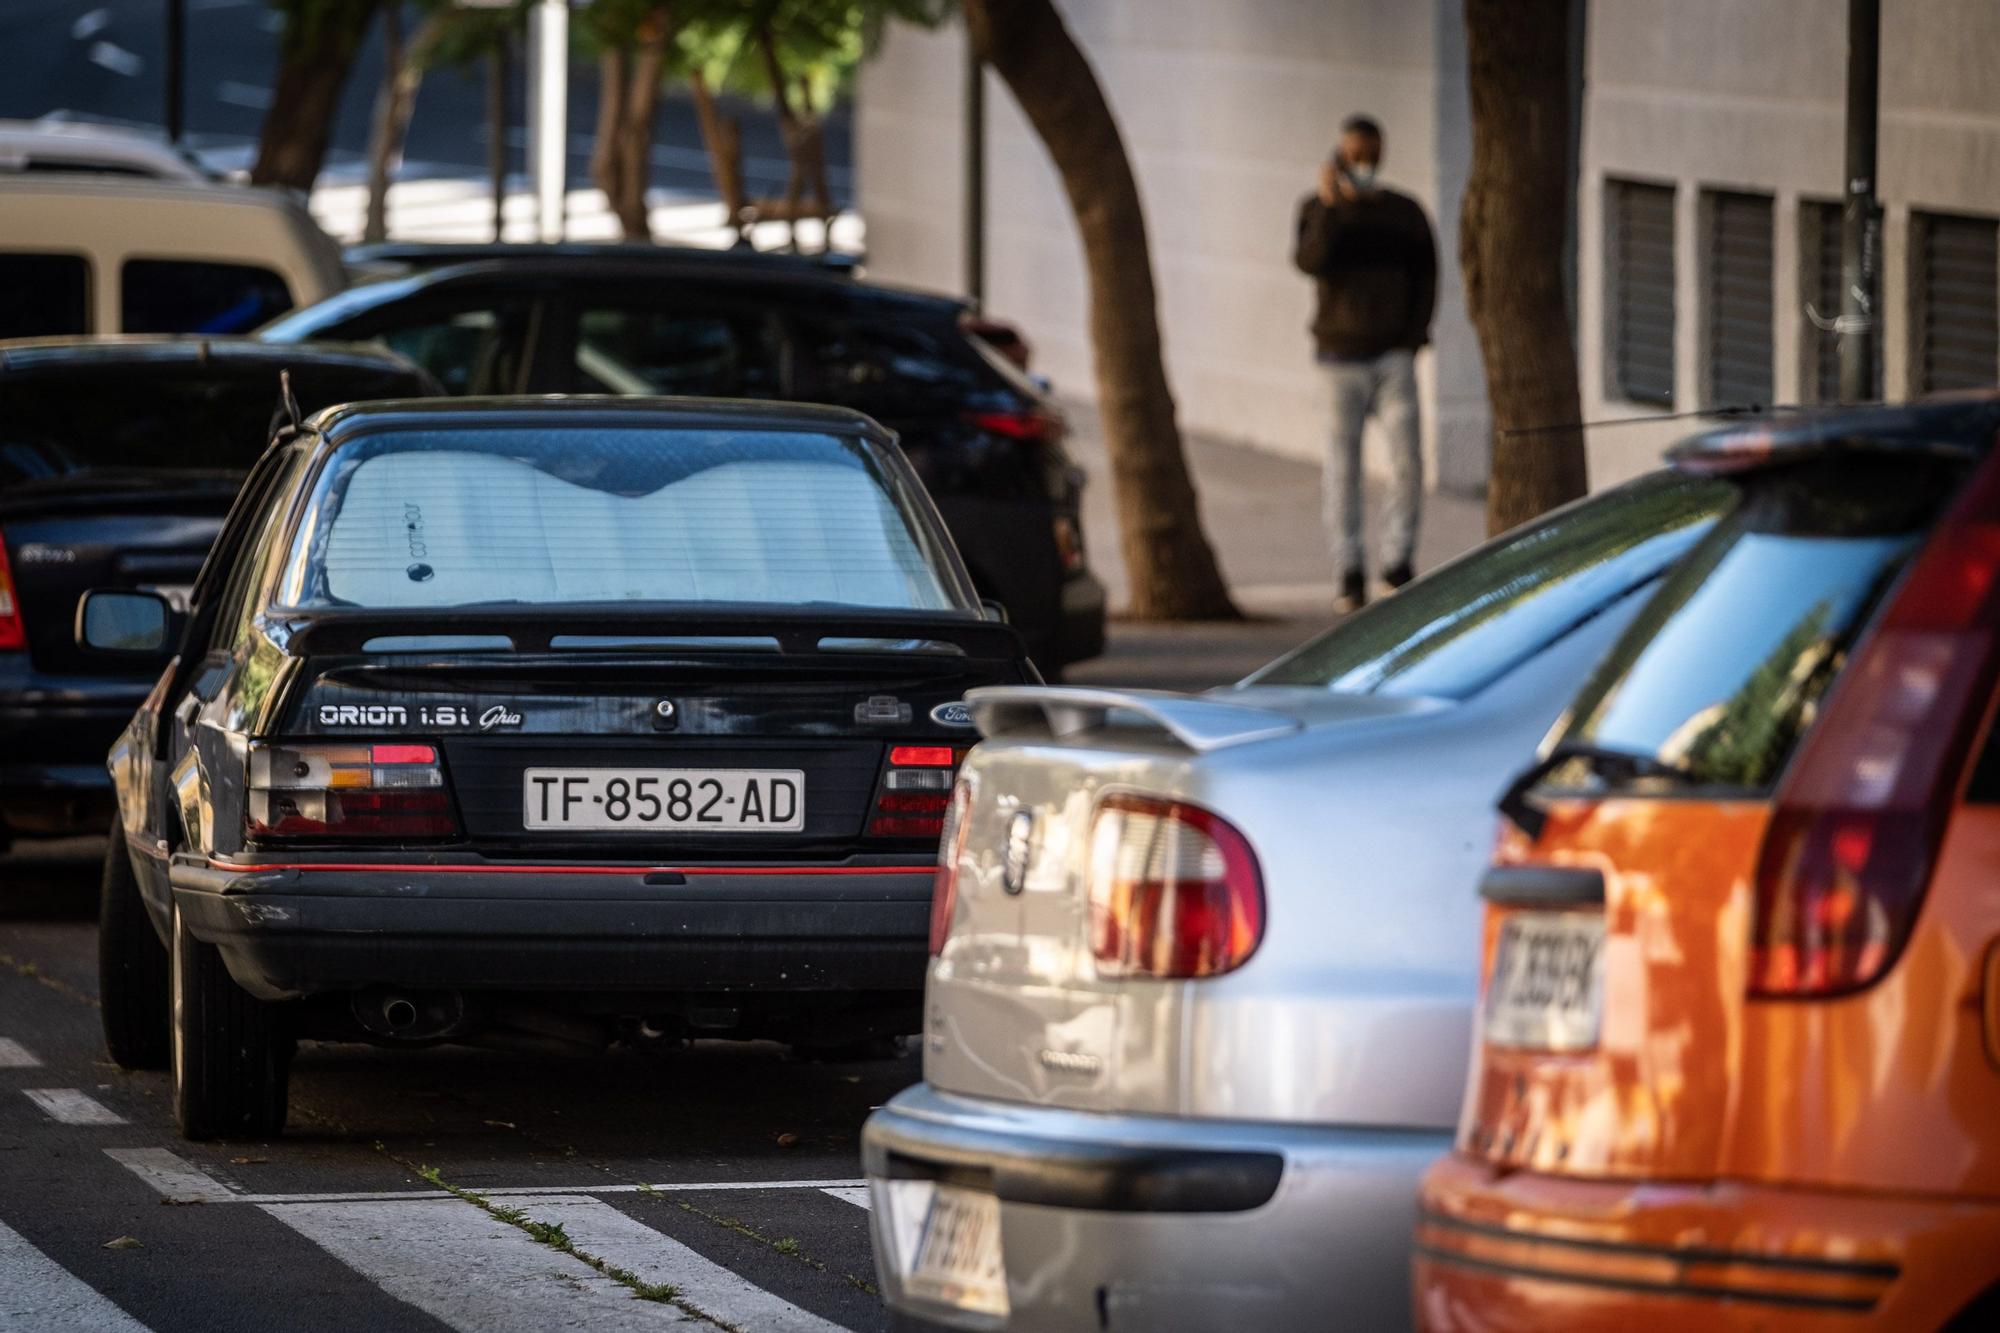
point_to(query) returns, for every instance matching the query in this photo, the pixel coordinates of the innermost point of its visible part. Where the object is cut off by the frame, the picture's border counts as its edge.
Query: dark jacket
(1376, 267)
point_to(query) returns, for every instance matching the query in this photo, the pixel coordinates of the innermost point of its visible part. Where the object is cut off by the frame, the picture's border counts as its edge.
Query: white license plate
(947, 1242)
(715, 800)
(1547, 991)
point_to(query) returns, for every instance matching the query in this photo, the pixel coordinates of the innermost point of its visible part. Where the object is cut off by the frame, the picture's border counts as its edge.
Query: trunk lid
(709, 704)
(1617, 942)
(1019, 1007)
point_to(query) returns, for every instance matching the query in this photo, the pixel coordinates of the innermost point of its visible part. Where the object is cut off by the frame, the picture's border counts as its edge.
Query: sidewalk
(1262, 515)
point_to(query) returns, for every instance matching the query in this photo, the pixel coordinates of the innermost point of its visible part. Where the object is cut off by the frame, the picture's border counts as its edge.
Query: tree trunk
(403, 74)
(1510, 247)
(314, 56)
(628, 96)
(1172, 570)
(723, 138)
(791, 132)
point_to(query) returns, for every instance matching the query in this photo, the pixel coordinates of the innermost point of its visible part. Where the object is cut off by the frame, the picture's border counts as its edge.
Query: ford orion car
(539, 720)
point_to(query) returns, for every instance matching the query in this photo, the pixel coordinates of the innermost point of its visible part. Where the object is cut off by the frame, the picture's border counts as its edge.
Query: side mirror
(126, 623)
(993, 609)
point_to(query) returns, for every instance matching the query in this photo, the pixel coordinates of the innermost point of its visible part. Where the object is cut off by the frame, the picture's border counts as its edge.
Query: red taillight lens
(1856, 820)
(345, 789)
(910, 802)
(13, 634)
(944, 888)
(1042, 427)
(1174, 891)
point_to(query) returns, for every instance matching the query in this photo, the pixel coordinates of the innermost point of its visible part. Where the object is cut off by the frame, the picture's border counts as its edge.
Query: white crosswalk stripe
(71, 1107)
(598, 1229)
(854, 1194)
(13, 1055)
(470, 1270)
(474, 1271)
(40, 1294)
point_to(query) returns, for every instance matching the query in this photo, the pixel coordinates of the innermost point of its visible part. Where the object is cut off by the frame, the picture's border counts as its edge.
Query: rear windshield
(137, 424)
(1456, 630)
(1719, 675)
(539, 516)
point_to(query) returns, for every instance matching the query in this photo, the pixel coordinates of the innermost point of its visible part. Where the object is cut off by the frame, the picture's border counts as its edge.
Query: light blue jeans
(1386, 389)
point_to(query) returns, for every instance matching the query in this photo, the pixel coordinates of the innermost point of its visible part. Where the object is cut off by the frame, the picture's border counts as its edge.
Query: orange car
(1739, 1065)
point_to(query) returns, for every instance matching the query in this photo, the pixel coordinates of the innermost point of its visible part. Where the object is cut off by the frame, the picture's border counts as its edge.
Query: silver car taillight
(1174, 890)
(944, 889)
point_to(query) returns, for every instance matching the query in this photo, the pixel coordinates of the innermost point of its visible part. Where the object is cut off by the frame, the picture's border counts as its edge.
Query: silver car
(1205, 965)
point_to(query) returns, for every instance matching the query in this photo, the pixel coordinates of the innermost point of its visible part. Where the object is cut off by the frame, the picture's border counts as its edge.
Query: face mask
(1362, 176)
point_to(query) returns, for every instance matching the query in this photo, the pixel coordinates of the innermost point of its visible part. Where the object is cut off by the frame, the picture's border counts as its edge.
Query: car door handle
(1543, 886)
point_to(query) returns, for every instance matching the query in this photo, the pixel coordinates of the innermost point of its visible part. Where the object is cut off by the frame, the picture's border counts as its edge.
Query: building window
(1639, 260)
(1955, 299)
(1737, 299)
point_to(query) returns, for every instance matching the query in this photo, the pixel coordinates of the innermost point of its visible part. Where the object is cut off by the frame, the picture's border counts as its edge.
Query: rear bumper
(52, 746)
(1499, 1249)
(287, 931)
(1154, 1222)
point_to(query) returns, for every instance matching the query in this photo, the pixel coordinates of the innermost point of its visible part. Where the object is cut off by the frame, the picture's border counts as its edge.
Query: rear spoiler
(1016, 712)
(533, 627)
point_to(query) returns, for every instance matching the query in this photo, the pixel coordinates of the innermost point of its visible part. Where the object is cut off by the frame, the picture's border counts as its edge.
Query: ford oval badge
(953, 714)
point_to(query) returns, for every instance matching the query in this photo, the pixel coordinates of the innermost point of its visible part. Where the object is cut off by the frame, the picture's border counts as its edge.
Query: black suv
(729, 324)
(118, 459)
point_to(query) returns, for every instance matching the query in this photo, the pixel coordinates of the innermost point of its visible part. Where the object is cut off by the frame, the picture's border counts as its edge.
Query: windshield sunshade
(538, 516)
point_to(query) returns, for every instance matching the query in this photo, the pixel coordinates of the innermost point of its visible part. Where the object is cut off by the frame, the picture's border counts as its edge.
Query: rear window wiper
(1605, 760)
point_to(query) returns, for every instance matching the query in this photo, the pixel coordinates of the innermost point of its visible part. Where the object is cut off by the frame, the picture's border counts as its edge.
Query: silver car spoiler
(1056, 712)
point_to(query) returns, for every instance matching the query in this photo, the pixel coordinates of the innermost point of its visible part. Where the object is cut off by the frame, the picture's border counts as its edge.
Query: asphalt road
(726, 1171)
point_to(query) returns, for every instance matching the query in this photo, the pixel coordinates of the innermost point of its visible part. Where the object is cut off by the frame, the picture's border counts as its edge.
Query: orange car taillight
(13, 634)
(343, 789)
(1174, 890)
(944, 888)
(915, 790)
(1857, 818)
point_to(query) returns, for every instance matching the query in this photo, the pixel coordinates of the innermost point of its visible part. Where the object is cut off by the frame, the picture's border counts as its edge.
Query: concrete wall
(1227, 110)
(1751, 95)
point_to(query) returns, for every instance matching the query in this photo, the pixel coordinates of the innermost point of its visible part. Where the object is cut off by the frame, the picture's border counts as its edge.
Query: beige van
(93, 255)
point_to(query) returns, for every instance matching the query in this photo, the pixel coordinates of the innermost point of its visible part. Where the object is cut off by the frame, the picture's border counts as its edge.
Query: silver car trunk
(1017, 1006)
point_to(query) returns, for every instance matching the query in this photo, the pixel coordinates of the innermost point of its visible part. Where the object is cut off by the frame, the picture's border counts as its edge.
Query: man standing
(1371, 252)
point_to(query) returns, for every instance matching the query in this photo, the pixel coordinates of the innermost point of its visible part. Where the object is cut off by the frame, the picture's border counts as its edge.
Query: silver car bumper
(1117, 1222)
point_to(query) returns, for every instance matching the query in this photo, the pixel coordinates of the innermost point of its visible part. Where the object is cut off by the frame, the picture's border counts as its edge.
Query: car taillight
(1174, 890)
(915, 789)
(1069, 543)
(1043, 427)
(348, 789)
(1856, 820)
(944, 888)
(13, 634)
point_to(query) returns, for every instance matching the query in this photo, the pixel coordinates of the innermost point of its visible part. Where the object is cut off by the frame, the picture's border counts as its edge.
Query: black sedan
(118, 459)
(539, 721)
(986, 441)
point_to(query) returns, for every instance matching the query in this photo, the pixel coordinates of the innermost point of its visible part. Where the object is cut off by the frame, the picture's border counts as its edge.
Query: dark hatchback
(118, 459)
(540, 721)
(986, 441)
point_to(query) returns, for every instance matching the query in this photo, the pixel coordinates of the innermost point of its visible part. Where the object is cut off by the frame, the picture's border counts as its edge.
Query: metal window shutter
(1642, 314)
(1739, 299)
(1822, 250)
(1958, 292)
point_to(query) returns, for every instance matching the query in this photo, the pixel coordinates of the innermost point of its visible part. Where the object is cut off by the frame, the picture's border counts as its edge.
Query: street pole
(496, 132)
(176, 68)
(1861, 215)
(975, 175)
(548, 108)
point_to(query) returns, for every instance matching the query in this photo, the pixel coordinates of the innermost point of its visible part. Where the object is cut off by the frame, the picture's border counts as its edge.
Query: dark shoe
(1395, 577)
(1353, 593)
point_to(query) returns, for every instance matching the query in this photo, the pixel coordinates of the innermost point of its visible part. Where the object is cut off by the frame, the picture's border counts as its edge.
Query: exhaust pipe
(411, 1015)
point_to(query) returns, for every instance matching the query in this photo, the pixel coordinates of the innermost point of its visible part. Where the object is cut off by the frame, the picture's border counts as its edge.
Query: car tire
(232, 1056)
(131, 966)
